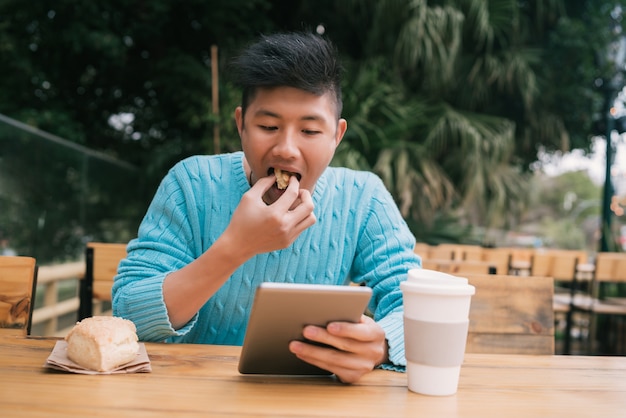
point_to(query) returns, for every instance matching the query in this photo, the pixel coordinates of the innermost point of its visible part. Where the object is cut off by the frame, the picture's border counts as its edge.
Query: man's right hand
(258, 227)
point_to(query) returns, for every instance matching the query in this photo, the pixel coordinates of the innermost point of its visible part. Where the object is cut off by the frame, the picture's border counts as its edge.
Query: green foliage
(563, 233)
(448, 101)
(495, 81)
(68, 66)
(446, 227)
(566, 210)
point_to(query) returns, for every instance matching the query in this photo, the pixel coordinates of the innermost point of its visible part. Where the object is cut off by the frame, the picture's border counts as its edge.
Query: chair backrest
(459, 266)
(511, 315)
(440, 252)
(521, 254)
(564, 264)
(471, 252)
(18, 278)
(497, 257)
(458, 252)
(101, 261)
(560, 264)
(619, 269)
(541, 264)
(610, 267)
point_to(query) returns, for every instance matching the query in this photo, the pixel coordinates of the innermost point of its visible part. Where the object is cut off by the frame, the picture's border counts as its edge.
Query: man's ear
(342, 127)
(239, 119)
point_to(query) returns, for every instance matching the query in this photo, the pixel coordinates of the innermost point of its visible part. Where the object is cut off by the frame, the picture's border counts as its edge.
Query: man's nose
(286, 145)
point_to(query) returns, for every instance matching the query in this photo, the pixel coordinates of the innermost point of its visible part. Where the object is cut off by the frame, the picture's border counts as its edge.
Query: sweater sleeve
(385, 253)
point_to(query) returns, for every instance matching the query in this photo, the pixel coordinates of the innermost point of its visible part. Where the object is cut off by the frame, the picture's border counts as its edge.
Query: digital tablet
(279, 313)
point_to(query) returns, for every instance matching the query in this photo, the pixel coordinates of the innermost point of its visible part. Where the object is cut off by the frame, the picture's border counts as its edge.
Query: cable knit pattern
(359, 236)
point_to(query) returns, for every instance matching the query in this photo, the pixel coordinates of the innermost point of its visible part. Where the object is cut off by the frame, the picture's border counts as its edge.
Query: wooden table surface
(202, 380)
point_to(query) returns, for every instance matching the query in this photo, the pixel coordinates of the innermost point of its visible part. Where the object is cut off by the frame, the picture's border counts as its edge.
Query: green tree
(449, 100)
(485, 87)
(69, 66)
(132, 79)
(449, 153)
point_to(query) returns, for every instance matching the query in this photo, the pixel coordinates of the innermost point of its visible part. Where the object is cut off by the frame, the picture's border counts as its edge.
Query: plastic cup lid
(443, 288)
(433, 275)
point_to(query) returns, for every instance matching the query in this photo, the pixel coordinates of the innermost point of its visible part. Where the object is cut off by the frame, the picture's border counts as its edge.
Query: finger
(259, 189)
(302, 210)
(306, 222)
(305, 198)
(366, 337)
(290, 199)
(262, 186)
(347, 367)
(321, 335)
(365, 330)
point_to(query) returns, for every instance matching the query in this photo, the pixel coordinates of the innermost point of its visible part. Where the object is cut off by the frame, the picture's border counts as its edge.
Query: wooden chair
(101, 260)
(610, 268)
(471, 252)
(18, 280)
(520, 261)
(500, 258)
(511, 315)
(440, 252)
(541, 264)
(458, 251)
(618, 276)
(561, 265)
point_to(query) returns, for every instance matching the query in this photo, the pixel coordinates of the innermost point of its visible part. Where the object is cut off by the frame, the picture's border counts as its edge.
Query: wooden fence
(49, 279)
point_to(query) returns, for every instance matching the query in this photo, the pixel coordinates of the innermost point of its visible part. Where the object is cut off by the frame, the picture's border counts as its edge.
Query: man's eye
(267, 128)
(310, 132)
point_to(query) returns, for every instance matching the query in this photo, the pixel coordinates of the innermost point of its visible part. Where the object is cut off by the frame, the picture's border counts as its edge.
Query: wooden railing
(48, 281)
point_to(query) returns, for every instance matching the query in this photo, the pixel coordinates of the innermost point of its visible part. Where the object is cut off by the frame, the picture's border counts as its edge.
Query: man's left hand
(358, 348)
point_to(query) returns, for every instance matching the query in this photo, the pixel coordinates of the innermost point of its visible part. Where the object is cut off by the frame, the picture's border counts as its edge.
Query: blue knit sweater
(359, 236)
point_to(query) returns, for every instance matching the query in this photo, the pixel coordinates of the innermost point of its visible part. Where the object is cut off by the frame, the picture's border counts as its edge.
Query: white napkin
(58, 360)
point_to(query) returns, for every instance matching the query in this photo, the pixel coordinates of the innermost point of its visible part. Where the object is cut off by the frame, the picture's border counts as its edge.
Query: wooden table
(202, 380)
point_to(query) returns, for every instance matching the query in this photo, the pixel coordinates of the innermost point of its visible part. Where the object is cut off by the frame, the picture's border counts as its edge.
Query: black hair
(305, 61)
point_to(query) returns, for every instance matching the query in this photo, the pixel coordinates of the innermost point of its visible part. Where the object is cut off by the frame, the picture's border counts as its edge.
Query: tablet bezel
(279, 313)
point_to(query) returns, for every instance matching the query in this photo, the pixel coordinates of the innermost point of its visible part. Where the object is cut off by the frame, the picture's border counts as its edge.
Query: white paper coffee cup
(436, 320)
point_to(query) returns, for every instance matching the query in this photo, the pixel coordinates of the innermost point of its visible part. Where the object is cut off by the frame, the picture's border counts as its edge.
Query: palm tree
(451, 106)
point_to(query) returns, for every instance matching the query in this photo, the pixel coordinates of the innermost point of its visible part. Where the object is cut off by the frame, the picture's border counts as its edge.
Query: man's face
(292, 130)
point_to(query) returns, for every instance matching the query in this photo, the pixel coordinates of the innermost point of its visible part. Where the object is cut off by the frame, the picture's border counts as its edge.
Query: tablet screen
(279, 313)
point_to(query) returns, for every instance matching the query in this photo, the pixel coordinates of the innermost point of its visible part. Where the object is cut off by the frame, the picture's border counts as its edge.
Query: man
(220, 225)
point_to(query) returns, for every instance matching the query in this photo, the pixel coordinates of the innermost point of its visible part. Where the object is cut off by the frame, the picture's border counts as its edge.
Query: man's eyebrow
(263, 112)
(312, 117)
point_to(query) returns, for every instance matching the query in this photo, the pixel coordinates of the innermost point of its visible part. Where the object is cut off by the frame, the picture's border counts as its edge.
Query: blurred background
(487, 120)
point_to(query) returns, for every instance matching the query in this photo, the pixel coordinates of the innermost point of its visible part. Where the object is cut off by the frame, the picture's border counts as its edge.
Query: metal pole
(605, 231)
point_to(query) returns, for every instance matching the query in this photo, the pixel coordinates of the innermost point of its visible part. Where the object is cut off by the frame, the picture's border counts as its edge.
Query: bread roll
(102, 343)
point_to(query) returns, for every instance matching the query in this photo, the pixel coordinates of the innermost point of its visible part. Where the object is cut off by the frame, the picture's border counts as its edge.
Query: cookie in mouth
(282, 178)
